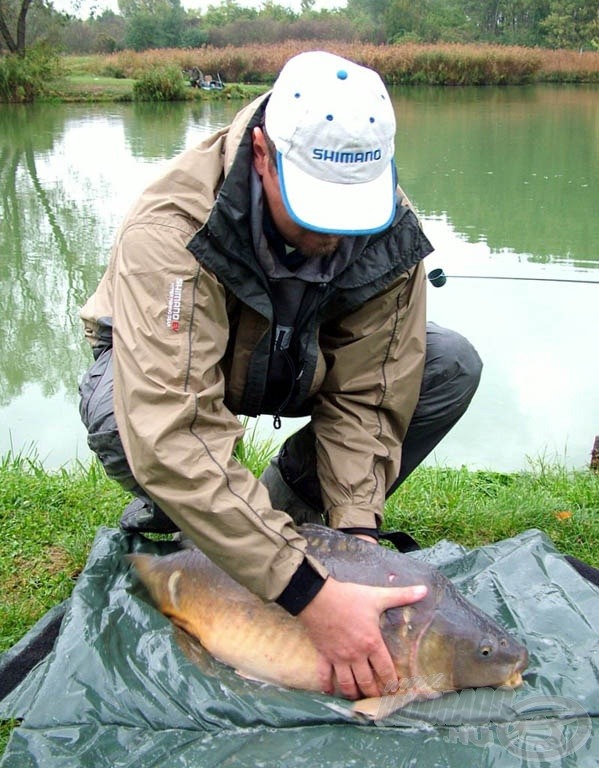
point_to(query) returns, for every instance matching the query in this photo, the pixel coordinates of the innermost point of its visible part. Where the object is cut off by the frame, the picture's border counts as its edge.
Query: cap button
(342, 74)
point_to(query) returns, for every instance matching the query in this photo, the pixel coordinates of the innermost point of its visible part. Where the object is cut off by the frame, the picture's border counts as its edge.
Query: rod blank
(438, 278)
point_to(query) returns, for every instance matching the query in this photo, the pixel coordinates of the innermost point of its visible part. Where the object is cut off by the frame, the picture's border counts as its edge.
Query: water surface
(505, 181)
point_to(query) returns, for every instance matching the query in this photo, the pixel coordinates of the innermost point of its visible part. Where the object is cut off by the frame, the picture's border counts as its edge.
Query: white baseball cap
(333, 126)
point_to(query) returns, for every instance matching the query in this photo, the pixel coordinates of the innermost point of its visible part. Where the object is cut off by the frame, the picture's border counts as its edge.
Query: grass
(49, 520)
(92, 88)
(475, 508)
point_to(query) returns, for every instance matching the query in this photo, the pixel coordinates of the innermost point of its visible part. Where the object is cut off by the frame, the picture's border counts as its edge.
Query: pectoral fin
(378, 707)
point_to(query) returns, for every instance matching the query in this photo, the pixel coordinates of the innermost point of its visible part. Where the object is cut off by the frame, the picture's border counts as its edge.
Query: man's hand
(343, 622)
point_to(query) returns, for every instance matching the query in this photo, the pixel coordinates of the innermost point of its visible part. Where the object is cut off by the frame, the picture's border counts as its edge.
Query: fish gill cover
(123, 687)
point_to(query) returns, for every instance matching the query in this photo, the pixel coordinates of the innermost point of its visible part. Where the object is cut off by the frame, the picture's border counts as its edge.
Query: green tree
(572, 24)
(227, 12)
(400, 20)
(15, 15)
(368, 16)
(275, 12)
(153, 23)
(24, 23)
(506, 21)
(404, 19)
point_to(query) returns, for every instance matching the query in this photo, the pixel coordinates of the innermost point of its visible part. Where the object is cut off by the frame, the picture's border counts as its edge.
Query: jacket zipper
(317, 300)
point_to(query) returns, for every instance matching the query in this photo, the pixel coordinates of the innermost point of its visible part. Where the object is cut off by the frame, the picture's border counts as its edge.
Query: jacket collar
(229, 227)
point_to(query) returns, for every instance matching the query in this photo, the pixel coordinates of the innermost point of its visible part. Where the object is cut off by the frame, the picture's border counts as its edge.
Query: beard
(315, 245)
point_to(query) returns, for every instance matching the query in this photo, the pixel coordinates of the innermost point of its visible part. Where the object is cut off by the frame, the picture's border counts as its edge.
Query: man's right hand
(343, 622)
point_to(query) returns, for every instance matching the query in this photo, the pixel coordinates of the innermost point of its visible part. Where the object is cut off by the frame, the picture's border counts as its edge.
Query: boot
(143, 517)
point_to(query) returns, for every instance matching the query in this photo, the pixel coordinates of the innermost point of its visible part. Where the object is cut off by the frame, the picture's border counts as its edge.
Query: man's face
(308, 242)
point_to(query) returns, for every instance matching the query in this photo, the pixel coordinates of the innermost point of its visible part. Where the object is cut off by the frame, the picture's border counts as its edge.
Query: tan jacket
(187, 333)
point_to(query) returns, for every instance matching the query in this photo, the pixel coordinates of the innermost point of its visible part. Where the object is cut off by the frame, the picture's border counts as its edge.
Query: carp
(441, 643)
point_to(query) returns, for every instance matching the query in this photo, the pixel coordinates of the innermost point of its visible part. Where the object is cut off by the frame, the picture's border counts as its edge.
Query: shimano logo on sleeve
(333, 156)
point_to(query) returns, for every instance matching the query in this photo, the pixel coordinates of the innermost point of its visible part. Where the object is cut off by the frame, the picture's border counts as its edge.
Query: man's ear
(260, 151)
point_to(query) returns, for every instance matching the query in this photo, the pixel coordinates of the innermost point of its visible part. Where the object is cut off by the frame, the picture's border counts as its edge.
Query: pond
(505, 181)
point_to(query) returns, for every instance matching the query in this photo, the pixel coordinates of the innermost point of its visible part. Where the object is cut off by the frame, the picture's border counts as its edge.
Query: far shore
(250, 70)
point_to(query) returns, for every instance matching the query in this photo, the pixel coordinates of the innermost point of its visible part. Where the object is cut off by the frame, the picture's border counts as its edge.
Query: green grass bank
(49, 520)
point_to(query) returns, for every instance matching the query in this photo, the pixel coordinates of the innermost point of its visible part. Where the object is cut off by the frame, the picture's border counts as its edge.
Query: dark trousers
(451, 376)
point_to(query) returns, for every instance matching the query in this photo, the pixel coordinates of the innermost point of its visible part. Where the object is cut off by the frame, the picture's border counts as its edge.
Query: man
(277, 268)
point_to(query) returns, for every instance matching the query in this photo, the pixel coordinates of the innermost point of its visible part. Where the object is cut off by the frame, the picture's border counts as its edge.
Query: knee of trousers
(451, 359)
(97, 413)
(284, 497)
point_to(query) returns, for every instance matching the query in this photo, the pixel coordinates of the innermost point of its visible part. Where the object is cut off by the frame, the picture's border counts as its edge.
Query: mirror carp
(441, 643)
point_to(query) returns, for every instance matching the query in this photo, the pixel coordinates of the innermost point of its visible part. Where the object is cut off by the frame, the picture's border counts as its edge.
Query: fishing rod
(438, 278)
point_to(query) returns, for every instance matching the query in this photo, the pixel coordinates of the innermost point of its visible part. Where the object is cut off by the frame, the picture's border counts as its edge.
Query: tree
(24, 22)
(572, 24)
(153, 23)
(227, 12)
(16, 43)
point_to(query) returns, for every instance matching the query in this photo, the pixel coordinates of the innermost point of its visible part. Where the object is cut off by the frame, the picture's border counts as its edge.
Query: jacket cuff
(360, 531)
(303, 587)
(351, 517)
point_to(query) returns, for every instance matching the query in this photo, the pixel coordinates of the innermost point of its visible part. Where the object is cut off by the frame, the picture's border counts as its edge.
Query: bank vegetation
(161, 74)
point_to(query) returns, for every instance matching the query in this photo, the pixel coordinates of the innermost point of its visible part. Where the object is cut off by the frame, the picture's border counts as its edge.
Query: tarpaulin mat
(123, 687)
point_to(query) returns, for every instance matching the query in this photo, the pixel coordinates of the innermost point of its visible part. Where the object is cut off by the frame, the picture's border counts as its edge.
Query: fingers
(394, 597)
(373, 677)
(343, 622)
(357, 680)
(351, 682)
(346, 681)
(384, 669)
(325, 676)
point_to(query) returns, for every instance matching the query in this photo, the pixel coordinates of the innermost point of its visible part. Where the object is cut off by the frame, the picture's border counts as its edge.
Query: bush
(23, 78)
(116, 71)
(160, 84)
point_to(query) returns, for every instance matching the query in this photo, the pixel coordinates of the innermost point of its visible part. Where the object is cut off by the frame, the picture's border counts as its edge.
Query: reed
(411, 63)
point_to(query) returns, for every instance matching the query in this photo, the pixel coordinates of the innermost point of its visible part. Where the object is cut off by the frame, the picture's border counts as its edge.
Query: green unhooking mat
(123, 688)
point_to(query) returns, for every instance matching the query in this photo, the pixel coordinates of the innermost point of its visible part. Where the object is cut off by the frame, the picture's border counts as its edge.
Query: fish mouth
(514, 680)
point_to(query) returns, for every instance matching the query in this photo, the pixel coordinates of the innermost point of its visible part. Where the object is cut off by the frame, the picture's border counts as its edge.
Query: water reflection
(42, 278)
(505, 180)
(514, 167)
